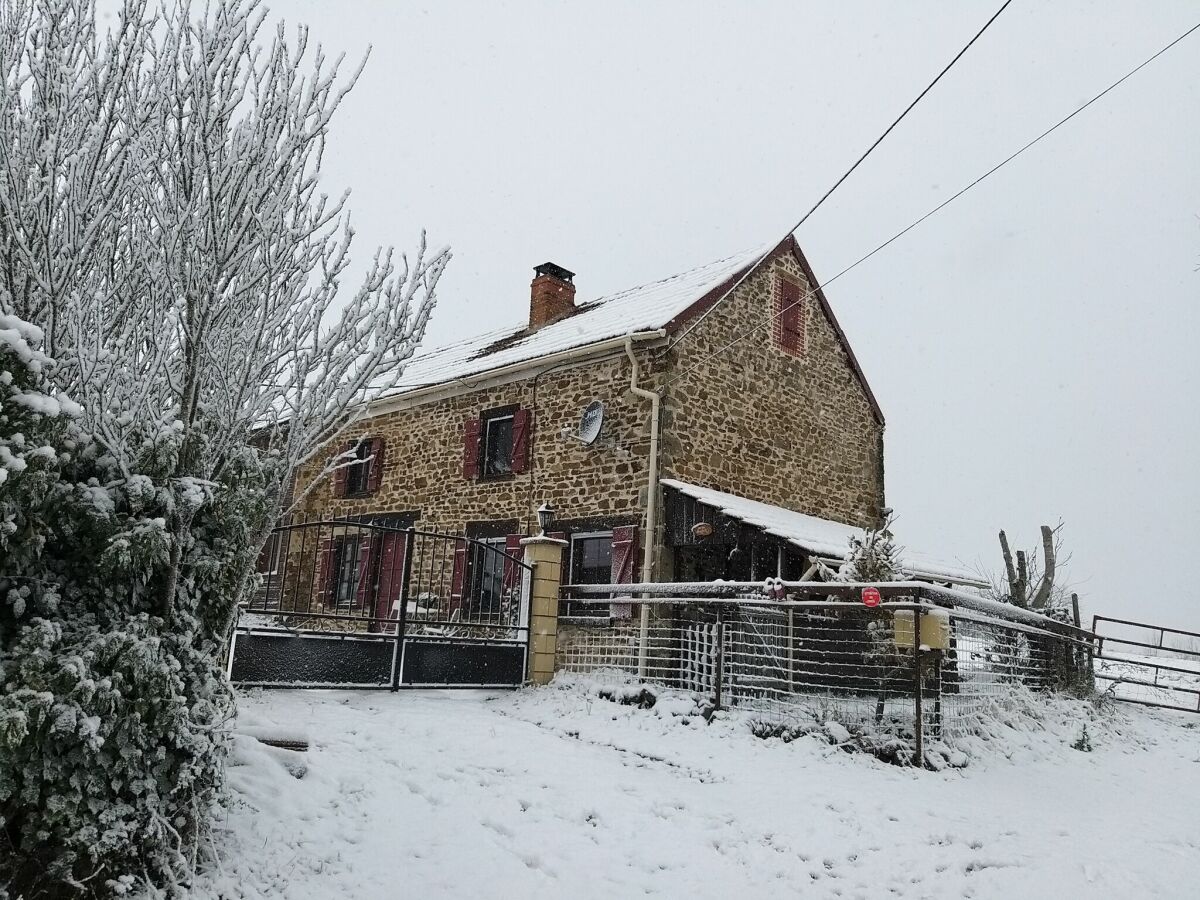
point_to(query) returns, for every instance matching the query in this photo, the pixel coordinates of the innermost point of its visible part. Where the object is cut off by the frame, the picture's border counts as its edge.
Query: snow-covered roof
(821, 537)
(645, 308)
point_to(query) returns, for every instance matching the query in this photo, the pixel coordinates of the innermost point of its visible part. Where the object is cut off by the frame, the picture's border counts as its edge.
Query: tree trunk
(1042, 597)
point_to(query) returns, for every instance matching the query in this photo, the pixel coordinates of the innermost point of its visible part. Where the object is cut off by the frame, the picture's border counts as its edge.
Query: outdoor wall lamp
(545, 516)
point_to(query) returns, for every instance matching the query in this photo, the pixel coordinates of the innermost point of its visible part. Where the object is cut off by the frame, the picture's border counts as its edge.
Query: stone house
(767, 444)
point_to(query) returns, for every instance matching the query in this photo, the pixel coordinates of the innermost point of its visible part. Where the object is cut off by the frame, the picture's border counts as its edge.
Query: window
(591, 563)
(498, 446)
(591, 558)
(484, 578)
(497, 443)
(357, 473)
(364, 474)
(346, 572)
(487, 575)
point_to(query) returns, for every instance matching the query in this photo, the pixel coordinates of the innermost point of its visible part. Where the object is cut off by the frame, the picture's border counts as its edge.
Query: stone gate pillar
(544, 555)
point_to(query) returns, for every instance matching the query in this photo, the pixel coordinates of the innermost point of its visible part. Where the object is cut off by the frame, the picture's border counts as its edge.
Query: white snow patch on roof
(644, 308)
(822, 537)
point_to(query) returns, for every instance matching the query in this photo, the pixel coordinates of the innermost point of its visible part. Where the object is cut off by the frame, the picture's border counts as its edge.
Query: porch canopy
(819, 538)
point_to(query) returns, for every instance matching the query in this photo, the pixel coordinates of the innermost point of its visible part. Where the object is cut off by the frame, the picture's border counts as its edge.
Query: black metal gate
(362, 603)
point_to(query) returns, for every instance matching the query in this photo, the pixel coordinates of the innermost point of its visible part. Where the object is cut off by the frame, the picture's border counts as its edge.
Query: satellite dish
(591, 422)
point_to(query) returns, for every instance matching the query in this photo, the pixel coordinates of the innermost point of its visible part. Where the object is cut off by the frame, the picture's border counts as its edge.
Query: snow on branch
(161, 212)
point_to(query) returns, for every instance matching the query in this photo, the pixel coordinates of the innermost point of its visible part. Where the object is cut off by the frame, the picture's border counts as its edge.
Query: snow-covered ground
(555, 792)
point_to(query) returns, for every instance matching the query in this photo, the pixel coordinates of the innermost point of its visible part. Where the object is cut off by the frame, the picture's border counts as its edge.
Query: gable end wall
(792, 429)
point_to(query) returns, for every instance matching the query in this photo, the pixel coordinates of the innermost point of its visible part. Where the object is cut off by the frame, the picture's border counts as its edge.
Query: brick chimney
(551, 295)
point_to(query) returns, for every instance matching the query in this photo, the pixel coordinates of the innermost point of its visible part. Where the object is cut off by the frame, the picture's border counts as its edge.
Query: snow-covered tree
(162, 237)
(872, 557)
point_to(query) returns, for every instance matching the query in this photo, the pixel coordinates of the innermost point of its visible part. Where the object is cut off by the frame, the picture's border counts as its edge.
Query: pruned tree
(172, 275)
(1025, 573)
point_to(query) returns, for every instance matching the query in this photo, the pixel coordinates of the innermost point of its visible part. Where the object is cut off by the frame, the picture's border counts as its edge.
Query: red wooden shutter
(368, 552)
(471, 449)
(458, 577)
(512, 569)
(326, 572)
(375, 466)
(624, 560)
(624, 553)
(339, 474)
(391, 576)
(790, 317)
(522, 421)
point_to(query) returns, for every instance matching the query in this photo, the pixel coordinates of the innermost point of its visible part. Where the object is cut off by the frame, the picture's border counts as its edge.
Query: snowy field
(557, 793)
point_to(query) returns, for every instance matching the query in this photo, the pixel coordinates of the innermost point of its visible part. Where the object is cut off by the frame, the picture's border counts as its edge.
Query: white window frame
(487, 433)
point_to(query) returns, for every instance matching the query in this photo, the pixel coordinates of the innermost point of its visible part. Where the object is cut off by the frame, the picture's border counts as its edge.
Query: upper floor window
(363, 475)
(358, 473)
(791, 303)
(497, 443)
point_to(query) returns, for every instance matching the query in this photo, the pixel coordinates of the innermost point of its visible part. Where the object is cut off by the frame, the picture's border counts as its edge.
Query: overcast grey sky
(1033, 346)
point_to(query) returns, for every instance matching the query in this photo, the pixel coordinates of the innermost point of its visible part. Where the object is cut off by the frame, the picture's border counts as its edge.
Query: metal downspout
(651, 502)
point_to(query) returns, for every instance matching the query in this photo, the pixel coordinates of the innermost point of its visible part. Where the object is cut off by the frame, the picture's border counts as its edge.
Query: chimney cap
(555, 271)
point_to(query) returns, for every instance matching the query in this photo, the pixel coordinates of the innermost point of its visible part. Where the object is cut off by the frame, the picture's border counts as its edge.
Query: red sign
(870, 597)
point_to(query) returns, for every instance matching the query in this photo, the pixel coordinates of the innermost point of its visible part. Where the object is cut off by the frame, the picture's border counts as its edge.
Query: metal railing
(812, 654)
(350, 574)
(358, 603)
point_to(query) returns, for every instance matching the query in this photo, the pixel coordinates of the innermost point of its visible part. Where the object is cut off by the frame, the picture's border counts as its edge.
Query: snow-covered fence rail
(818, 655)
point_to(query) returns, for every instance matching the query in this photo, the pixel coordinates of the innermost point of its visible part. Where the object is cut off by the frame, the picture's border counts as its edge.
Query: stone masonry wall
(424, 452)
(795, 430)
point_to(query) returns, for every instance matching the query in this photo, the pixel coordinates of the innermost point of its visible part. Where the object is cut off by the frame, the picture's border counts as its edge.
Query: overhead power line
(899, 234)
(879, 140)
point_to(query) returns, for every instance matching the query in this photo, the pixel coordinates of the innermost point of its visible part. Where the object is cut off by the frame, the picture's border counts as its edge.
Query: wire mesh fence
(796, 662)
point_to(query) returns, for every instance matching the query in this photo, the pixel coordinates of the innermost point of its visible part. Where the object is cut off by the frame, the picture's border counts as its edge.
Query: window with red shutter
(789, 316)
(356, 478)
(471, 448)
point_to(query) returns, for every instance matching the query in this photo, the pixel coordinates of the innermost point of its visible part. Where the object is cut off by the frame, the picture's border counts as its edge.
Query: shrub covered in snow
(112, 726)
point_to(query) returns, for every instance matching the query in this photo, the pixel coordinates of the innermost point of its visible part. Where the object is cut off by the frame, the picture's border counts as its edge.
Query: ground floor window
(487, 575)
(590, 563)
(346, 572)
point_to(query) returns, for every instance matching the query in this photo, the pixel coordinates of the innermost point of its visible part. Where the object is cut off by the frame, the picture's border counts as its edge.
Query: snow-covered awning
(818, 537)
